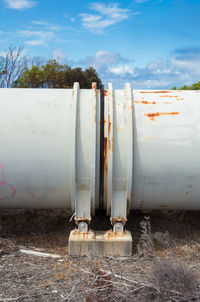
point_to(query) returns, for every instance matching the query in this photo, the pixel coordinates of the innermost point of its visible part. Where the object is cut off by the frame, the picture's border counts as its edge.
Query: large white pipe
(49, 149)
(152, 148)
(50, 142)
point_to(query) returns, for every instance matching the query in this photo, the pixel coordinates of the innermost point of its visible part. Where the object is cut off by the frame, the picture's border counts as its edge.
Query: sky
(153, 44)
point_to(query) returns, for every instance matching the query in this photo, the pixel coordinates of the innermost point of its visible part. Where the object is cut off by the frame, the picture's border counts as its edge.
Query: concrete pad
(100, 243)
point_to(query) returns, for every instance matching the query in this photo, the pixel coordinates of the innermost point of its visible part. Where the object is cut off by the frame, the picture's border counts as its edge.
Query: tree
(195, 86)
(56, 75)
(12, 63)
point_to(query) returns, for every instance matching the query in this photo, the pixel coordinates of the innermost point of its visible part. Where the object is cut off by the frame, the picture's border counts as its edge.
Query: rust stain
(119, 129)
(83, 219)
(157, 91)
(167, 96)
(109, 130)
(118, 219)
(111, 235)
(109, 140)
(105, 156)
(153, 115)
(94, 86)
(144, 102)
(108, 143)
(109, 124)
(105, 92)
(83, 187)
(148, 138)
(180, 99)
(83, 235)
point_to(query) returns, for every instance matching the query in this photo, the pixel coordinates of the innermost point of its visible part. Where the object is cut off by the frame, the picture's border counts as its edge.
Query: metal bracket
(83, 227)
(117, 184)
(83, 187)
(118, 228)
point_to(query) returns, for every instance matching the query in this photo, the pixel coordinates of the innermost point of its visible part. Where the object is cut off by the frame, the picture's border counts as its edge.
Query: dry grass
(164, 268)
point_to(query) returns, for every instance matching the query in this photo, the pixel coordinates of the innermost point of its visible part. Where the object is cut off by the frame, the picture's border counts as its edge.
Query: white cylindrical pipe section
(166, 146)
(42, 140)
(50, 142)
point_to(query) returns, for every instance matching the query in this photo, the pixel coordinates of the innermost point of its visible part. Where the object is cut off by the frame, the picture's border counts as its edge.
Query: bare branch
(12, 63)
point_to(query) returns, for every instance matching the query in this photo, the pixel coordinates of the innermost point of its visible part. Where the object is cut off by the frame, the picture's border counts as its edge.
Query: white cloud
(122, 70)
(102, 60)
(35, 42)
(40, 22)
(39, 37)
(183, 67)
(43, 35)
(19, 4)
(58, 54)
(105, 16)
(47, 25)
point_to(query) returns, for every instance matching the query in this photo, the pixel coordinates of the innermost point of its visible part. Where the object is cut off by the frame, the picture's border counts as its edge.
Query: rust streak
(118, 219)
(111, 235)
(83, 187)
(105, 92)
(109, 130)
(157, 91)
(153, 115)
(82, 235)
(167, 96)
(94, 86)
(105, 156)
(144, 102)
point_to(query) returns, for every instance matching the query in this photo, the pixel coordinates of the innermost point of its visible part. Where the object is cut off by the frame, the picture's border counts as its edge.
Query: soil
(33, 278)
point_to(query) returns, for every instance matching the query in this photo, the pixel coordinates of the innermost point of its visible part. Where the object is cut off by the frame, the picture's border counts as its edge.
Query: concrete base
(100, 243)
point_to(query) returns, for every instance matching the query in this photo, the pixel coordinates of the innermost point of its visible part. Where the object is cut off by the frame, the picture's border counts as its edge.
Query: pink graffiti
(3, 182)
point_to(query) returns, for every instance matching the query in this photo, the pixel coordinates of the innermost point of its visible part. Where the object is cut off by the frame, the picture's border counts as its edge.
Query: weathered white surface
(49, 149)
(36, 139)
(166, 148)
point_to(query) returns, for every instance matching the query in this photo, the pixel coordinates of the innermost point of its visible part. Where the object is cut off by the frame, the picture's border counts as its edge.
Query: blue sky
(150, 43)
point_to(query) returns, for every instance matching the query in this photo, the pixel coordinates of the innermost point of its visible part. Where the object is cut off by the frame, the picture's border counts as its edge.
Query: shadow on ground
(50, 229)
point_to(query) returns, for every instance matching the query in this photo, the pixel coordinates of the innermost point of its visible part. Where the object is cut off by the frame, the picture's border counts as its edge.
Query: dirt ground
(33, 278)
